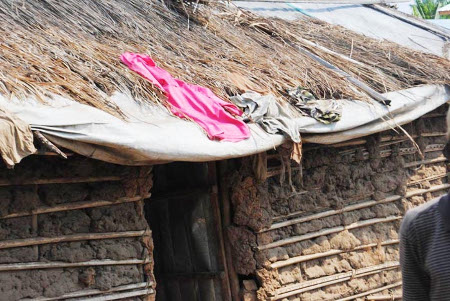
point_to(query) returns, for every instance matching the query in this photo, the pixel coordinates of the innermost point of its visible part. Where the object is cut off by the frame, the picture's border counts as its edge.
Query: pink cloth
(191, 101)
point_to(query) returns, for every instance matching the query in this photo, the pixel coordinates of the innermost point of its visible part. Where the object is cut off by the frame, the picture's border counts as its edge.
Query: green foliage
(426, 9)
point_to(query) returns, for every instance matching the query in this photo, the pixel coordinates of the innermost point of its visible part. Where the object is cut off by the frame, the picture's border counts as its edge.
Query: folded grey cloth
(268, 113)
(323, 110)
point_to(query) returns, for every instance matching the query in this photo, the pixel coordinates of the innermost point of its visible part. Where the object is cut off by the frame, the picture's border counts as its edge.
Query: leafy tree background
(427, 9)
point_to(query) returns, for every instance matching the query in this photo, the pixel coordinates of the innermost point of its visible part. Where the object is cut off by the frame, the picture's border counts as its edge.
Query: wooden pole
(349, 143)
(432, 178)
(424, 162)
(328, 231)
(385, 153)
(362, 86)
(49, 145)
(354, 273)
(60, 180)
(380, 289)
(122, 296)
(42, 152)
(331, 212)
(434, 134)
(76, 206)
(212, 170)
(302, 212)
(226, 219)
(25, 242)
(303, 258)
(90, 292)
(306, 286)
(55, 265)
(423, 191)
(385, 297)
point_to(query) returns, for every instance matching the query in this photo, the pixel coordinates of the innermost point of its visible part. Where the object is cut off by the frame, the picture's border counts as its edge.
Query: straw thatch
(384, 65)
(72, 48)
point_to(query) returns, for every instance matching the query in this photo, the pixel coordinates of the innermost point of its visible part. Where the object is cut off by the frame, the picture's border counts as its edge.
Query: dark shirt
(425, 251)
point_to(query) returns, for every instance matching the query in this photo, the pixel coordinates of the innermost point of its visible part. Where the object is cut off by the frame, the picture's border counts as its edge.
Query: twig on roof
(44, 141)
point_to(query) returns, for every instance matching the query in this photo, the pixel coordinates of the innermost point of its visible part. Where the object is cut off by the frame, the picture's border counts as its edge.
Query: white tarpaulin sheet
(358, 18)
(152, 135)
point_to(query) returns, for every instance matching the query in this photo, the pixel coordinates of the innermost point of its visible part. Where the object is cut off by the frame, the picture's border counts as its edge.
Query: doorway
(183, 214)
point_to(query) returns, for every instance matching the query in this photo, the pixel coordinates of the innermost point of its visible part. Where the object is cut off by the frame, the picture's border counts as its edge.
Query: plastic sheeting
(358, 18)
(362, 119)
(152, 135)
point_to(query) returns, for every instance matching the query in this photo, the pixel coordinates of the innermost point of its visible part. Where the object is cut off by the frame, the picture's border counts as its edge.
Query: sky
(405, 7)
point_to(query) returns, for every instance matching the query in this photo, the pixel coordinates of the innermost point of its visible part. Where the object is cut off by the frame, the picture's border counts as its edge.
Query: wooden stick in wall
(226, 220)
(91, 292)
(60, 180)
(25, 242)
(310, 285)
(76, 206)
(215, 206)
(331, 212)
(404, 138)
(423, 191)
(349, 143)
(328, 231)
(310, 288)
(354, 273)
(122, 296)
(384, 153)
(424, 162)
(388, 152)
(409, 194)
(380, 289)
(385, 297)
(434, 134)
(303, 258)
(432, 178)
(54, 265)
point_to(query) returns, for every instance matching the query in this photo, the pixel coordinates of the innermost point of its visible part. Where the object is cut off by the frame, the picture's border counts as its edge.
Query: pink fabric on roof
(195, 102)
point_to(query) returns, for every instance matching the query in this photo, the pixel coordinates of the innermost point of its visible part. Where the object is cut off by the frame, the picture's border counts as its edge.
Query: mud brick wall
(74, 226)
(330, 230)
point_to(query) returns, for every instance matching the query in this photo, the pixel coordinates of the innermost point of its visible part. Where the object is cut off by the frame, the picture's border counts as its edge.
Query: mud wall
(76, 228)
(328, 229)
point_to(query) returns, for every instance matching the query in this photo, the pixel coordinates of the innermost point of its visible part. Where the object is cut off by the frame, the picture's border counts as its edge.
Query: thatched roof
(72, 48)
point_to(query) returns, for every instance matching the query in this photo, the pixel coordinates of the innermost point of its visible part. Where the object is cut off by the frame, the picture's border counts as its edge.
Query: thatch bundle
(72, 48)
(384, 65)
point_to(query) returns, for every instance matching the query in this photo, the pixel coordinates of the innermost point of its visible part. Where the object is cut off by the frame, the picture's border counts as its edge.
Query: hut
(444, 11)
(104, 195)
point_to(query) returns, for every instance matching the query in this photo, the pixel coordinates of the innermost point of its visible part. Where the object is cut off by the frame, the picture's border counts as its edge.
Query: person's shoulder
(418, 215)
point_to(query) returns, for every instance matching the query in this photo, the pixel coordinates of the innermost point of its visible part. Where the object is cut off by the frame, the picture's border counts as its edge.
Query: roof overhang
(151, 135)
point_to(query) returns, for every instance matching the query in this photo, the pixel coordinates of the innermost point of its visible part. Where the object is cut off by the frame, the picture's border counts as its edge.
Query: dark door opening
(189, 262)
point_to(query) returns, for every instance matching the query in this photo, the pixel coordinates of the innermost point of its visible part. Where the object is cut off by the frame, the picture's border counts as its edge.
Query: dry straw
(72, 48)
